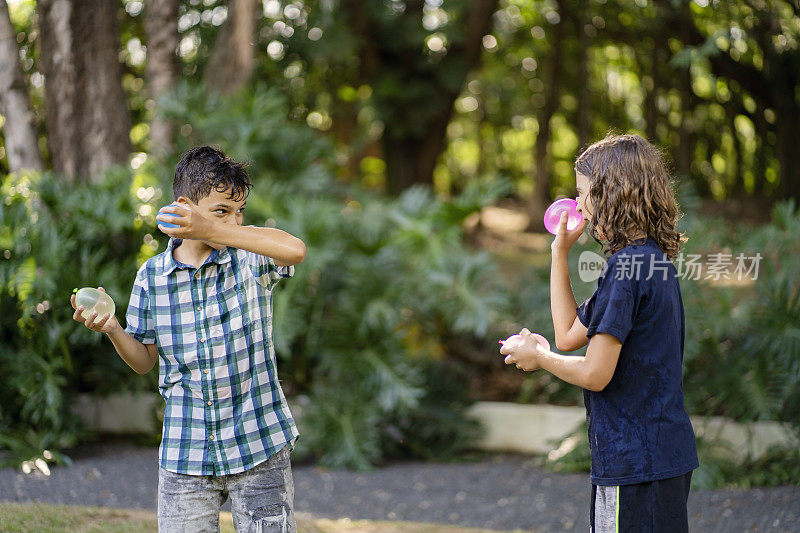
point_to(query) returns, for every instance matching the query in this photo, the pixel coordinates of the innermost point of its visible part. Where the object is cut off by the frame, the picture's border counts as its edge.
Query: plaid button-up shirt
(225, 410)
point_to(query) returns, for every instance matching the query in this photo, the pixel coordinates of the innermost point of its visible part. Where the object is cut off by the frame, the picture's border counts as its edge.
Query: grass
(44, 518)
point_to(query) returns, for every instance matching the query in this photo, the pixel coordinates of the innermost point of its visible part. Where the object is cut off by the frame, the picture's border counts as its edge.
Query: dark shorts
(650, 507)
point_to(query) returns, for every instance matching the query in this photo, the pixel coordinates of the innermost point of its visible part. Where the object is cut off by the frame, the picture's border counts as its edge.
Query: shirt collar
(169, 262)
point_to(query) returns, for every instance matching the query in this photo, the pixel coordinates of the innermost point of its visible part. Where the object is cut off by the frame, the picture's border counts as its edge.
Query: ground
(504, 492)
(44, 518)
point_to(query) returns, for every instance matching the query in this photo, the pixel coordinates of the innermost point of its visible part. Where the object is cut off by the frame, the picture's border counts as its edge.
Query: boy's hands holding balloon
(191, 223)
(564, 237)
(523, 349)
(106, 324)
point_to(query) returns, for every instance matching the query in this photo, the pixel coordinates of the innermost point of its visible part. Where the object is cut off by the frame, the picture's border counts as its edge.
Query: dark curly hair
(204, 168)
(631, 192)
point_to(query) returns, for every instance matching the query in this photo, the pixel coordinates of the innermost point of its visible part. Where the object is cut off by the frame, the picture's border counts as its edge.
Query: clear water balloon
(94, 300)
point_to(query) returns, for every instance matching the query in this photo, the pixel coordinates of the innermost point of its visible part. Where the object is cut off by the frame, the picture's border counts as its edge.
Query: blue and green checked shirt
(225, 410)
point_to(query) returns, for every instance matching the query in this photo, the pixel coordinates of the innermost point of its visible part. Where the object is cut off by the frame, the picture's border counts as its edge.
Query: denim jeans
(261, 499)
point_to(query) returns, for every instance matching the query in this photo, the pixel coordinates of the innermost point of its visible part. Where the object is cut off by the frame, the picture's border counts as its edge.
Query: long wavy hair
(631, 193)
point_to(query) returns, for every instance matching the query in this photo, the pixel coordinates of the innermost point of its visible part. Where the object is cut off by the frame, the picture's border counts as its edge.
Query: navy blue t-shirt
(638, 428)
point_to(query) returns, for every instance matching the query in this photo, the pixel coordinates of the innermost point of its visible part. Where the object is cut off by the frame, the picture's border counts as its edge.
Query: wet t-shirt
(638, 428)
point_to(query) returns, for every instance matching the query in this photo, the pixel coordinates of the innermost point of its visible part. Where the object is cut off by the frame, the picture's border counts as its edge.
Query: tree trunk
(762, 151)
(784, 70)
(163, 68)
(541, 190)
(401, 156)
(232, 60)
(786, 147)
(412, 146)
(88, 124)
(411, 159)
(686, 132)
(651, 93)
(60, 71)
(582, 121)
(737, 185)
(22, 148)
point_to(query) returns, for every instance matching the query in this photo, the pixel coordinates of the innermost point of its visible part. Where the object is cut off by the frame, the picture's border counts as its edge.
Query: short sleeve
(612, 307)
(139, 317)
(266, 271)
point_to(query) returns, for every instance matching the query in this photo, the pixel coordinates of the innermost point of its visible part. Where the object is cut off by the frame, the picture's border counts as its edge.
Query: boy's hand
(107, 323)
(525, 355)
(191, 224)
(565, 238)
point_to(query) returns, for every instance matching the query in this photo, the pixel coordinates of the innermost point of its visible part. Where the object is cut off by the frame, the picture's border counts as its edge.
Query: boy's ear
(184, 200)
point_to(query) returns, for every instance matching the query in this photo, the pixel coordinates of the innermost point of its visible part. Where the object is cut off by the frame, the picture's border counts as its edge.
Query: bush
(385, 280)
(56, 236)
(742, 350)
(358, 331)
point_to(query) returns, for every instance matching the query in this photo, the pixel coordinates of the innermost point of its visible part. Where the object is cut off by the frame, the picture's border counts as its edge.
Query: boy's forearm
(562, 299)
(569, 368)
(283, 247)
(133, 352)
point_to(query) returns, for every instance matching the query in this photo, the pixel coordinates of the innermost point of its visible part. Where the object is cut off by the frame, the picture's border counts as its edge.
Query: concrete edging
(509, 427)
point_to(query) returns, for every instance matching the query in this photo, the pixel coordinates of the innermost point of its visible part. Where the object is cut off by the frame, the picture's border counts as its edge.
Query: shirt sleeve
(266, 272)
(612, 307)
(139, 317)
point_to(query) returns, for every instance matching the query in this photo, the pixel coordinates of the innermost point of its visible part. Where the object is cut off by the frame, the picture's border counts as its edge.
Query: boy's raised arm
(285, 249)
(570, 334)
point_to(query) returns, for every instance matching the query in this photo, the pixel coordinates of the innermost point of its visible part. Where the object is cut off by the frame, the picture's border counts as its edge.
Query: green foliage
(742, 349)
(779, 466)
(570, 454)
(384, 281)
(359, 329)
(382, 278)
(55, 236)
(431, 431)
(271, 144)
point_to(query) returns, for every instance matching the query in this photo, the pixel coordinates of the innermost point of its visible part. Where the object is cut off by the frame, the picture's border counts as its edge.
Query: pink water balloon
(553, 215)
(515, 341)
(541, 340)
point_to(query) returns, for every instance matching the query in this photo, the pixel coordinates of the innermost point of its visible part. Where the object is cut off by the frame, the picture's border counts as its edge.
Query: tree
(770, 77)
(163, 68)
(541, 191)
(88, 125)
(415, 82)
(21, 143)
(233, 58)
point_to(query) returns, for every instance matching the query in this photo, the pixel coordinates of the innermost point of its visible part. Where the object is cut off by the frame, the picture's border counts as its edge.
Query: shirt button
(205, 371)
(202, 339)
(197, 276)
(211, 437)
(209, 402)
(199, 308)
